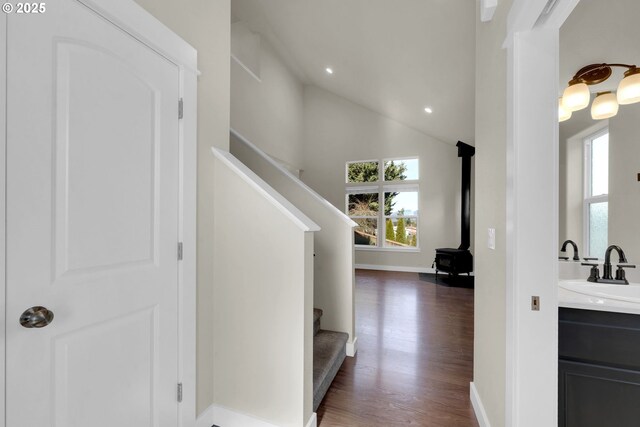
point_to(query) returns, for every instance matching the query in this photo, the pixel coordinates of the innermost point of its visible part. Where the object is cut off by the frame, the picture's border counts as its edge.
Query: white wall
(205, 25)
(334, 281)
(624, 187)
(269, 111)
(337, 131)
(572, 223)
(562, 193)
(273, 112)
(263, 302)
(491, 182)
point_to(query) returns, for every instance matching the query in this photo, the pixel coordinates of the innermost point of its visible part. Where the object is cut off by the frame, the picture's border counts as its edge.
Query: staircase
(328, 355)
(332, 284)
(333, 262)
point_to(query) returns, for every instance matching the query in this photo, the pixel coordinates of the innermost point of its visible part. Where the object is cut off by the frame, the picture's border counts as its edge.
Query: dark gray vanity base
(599, 369)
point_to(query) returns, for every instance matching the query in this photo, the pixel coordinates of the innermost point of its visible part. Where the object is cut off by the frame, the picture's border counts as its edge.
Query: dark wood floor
(415, 356)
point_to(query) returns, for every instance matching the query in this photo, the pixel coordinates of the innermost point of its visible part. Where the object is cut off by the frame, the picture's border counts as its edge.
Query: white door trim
(3, 207)
(130, 17)
(532, 212)
(136, 21)
(187, 233)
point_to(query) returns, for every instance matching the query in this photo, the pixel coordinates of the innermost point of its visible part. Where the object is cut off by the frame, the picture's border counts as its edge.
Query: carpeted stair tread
(328, 355)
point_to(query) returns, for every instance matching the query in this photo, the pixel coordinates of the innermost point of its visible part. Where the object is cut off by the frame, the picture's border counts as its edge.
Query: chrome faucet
(607, 277)
(576, 256)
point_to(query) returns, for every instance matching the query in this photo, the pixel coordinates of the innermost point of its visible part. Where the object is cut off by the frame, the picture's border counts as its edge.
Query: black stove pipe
(466, 152)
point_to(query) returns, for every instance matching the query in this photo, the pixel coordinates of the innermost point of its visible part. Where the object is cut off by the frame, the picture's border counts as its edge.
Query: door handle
(36, 317)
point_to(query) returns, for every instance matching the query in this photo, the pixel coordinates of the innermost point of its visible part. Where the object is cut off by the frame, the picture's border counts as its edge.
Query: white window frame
(364, 189)
(588, 199)
(381, 186)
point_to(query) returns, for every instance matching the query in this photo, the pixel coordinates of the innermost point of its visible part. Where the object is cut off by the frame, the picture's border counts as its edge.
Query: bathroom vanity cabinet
(598, 369)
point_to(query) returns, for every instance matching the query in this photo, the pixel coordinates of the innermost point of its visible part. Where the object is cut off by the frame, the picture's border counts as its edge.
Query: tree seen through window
(400, 225)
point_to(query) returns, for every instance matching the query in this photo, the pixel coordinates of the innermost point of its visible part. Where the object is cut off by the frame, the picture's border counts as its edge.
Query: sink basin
(599, 296)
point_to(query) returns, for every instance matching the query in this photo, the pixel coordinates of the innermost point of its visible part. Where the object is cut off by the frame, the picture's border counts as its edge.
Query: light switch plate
(535, 303)
(491, 241)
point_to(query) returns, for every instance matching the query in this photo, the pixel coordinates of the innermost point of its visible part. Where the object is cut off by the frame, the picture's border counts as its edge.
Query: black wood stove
(460, 260)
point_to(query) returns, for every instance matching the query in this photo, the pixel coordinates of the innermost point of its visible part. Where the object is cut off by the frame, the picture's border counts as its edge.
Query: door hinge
(179, 251)
(180, 108)
(179, 392)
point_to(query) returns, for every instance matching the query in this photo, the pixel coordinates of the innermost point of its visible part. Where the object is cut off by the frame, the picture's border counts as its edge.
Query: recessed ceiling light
(428, 110)
(329, 70)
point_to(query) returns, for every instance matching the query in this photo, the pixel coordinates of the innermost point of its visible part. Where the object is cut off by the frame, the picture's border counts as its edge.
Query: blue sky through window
(407, 200)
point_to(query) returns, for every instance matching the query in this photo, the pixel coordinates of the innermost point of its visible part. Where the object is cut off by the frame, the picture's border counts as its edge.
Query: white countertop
(599, 296)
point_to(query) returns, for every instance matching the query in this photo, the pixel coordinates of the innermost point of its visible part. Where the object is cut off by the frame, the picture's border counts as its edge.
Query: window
(363, 209)
(596, 198)
(384, 207)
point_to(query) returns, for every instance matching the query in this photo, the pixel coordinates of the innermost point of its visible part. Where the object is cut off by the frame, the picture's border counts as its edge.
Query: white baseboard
(313, 421)
(352, 347)
(478, 407)
(206, 418)
(224, 417)
(400, 268)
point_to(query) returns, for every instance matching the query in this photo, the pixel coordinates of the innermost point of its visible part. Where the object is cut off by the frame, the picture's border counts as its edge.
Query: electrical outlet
(491, 241)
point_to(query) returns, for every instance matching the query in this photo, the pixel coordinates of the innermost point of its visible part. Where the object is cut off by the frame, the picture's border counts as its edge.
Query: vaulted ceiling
(395, 57)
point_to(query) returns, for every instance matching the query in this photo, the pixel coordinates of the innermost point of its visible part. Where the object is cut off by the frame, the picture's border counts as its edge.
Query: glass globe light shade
(604, 106)
(629, 88)
(563, 113)
(576, 97)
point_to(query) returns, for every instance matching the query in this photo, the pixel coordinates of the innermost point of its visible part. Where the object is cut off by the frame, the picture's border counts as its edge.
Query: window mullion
(381, 225)
(597, 199)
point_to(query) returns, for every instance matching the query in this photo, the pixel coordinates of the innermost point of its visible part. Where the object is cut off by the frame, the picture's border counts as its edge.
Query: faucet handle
(590, 264)
(594, 274)
(590, 259)
(563, 258)
(623, 265)
(620, 274)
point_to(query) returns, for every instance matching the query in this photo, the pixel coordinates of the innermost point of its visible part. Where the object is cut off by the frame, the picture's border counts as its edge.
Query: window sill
(379, 249)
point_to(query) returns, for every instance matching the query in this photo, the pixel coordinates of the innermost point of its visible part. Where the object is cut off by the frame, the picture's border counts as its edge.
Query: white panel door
(92, 224)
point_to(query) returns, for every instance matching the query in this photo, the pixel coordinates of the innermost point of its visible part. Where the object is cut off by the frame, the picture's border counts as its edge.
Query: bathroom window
(596, 200)
(382, 198)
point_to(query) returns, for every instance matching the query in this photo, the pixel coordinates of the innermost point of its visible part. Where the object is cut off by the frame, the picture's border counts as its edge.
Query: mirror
(600, 159)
